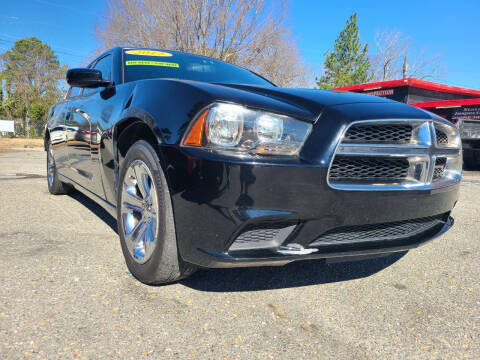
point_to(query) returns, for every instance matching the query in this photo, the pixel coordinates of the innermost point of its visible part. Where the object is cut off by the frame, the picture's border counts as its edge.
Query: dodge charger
(206, 164)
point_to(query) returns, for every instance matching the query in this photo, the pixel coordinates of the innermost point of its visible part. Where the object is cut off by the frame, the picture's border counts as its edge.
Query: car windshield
(153, 64)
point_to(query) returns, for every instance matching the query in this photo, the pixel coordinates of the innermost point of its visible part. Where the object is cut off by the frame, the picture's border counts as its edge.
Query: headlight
(236, 129)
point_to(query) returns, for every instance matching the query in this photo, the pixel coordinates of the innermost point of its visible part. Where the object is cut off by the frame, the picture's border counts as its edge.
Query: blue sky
(445, 26)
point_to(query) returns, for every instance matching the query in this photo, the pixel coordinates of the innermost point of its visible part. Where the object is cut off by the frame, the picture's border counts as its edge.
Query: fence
(20, 128)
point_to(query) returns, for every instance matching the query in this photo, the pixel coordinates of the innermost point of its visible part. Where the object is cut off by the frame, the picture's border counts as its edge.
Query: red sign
(385, 92)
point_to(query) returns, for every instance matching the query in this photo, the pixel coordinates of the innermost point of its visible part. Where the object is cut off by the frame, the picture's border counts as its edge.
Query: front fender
(166, 106)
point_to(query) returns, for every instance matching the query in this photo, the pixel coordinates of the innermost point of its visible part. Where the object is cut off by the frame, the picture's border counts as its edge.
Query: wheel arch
(46, 139)
(130, 130)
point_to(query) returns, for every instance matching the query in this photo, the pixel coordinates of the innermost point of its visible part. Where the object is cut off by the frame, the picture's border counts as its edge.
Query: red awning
(446, 103)
(423, 84)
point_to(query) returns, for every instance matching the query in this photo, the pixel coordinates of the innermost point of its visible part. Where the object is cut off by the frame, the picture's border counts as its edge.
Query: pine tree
(348, 63)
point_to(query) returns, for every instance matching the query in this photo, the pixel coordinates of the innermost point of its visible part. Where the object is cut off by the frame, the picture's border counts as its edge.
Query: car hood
(310, 97)
(306, 104)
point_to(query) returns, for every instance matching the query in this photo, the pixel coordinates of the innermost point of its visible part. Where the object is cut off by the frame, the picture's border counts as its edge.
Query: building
(458, 105)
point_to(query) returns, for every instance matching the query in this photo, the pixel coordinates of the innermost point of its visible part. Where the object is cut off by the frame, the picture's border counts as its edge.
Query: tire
(145, 219)
(55, 186)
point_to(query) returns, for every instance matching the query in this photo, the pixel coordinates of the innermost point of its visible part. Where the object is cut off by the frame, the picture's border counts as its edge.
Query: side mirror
(86, 78)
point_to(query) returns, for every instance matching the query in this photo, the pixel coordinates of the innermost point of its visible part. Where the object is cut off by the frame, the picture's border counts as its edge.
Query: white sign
(7, 126)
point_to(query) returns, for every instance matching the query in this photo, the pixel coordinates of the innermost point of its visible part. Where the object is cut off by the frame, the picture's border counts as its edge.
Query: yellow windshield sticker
(148, 53)
(151, 63)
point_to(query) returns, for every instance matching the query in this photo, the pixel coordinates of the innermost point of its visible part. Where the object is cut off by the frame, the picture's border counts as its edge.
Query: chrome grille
(371, 156)
(379, 134)
(354, 169)
(379, 232)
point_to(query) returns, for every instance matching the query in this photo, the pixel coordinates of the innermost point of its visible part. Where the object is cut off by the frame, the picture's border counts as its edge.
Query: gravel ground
(66, 292)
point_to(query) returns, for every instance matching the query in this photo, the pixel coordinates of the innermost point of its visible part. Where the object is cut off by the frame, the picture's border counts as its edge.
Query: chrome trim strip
(382, 151)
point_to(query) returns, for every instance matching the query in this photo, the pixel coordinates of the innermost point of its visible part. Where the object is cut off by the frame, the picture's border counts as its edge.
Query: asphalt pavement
(66, 292)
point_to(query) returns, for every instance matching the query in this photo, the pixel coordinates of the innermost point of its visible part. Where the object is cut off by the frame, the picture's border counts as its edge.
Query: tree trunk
(27, 124)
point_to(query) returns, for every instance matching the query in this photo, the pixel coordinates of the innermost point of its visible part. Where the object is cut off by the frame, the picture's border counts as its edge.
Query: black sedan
(207, 164)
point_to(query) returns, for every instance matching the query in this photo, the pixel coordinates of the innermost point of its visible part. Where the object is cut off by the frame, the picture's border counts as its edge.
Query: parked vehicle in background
(207, 164)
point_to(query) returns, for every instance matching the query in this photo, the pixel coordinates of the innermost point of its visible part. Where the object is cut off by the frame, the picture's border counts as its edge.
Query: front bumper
(225, 260)
(216, 199)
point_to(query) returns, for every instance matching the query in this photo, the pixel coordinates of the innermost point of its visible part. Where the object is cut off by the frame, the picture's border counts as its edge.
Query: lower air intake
(391, 231)
(261, 237)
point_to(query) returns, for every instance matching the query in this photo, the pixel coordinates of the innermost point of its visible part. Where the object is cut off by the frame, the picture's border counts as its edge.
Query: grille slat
(380, 134)
(379, 232)
(439, 167)
(442, 138)
(364, 169)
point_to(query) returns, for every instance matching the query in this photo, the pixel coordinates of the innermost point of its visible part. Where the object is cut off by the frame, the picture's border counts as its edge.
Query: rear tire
(145, 219)
(55, 186)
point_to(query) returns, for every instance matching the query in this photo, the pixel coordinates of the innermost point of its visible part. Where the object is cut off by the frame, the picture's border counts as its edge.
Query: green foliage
(37, 111)
(3, 113)
(29, 76)
(348, 63)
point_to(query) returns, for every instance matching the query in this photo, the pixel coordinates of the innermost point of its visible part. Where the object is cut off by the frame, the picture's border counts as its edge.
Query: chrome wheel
(50, 166)
(139, 211)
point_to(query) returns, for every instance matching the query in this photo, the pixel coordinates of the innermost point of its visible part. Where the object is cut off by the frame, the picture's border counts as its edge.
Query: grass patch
(20, 143)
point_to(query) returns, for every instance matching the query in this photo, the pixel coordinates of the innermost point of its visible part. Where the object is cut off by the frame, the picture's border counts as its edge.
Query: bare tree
(396, 58)
(249, 33)
(391, 49)
(423, 65)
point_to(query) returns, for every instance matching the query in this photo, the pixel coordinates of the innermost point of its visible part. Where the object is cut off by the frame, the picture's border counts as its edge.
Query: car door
(58, 130)
(77, 128)
(56, 127)
(83, 134)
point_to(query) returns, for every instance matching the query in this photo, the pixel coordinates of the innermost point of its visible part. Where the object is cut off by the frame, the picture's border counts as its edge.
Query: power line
(45, 2)
(54, 48)
(55, 25)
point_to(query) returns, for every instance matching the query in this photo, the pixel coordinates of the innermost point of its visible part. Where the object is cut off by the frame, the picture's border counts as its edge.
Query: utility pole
(405, 67)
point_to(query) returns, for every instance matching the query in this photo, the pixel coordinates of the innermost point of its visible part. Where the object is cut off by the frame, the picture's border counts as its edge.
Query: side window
(74, 91)
(105, 66)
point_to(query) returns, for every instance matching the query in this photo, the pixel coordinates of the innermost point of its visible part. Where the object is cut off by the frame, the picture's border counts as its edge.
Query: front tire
(55, 186)
(145, 219)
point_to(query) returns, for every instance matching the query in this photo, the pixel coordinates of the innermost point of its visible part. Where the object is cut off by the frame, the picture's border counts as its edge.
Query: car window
(105, 66)
(73, 92)
(150, 64)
